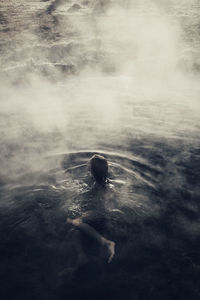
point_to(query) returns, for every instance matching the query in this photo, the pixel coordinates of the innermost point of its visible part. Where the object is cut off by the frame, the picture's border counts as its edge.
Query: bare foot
(74, 222)
(69, 220)
(110, 248)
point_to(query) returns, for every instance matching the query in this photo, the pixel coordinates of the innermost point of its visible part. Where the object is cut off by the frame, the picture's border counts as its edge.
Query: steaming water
(119, 78)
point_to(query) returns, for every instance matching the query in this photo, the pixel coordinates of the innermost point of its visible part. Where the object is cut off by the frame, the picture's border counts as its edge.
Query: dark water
(157, 238)
(66, 93)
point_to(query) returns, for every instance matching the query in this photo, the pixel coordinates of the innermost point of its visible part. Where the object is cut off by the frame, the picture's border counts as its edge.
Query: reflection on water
(118, 78)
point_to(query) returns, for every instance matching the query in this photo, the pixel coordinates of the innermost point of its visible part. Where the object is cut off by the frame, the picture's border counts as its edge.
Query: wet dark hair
(99, 168)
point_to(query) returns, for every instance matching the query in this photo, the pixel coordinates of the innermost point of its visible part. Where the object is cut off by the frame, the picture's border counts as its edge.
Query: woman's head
(99, 168)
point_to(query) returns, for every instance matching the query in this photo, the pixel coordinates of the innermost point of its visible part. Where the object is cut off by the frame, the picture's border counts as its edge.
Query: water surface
(116, 78)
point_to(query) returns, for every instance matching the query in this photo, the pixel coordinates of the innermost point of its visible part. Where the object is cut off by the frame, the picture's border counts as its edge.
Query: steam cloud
(100, 73)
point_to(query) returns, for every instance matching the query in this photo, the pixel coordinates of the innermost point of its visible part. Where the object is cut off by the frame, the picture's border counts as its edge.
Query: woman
(94, 215)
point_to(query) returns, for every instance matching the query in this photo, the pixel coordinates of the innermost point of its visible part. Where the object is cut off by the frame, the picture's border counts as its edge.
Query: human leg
(90, 231)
